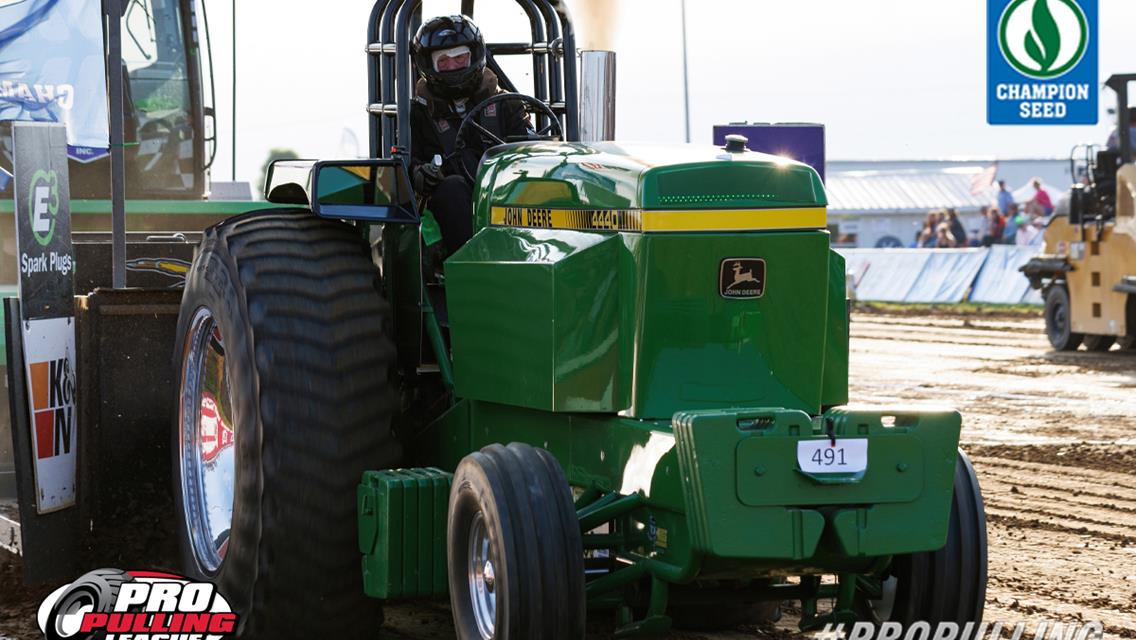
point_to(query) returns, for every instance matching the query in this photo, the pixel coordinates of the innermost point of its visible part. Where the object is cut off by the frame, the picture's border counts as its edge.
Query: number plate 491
(849, 455)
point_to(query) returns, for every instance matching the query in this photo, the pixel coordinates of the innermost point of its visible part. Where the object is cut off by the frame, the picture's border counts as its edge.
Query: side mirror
(367, 190)
(289, 182)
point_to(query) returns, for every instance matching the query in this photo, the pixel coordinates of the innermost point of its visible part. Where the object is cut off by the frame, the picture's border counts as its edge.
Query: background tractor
(1087, 272)
(625, 393)
(169, 140)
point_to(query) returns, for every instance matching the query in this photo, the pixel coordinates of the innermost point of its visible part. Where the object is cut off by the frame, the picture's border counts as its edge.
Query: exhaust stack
(597, 96)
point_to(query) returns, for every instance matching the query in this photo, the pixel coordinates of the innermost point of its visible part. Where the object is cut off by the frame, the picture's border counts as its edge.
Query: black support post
(112, 9)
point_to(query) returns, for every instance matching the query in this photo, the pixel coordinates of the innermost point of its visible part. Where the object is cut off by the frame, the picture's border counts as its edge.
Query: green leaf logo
(1044, 41)
(1043, 38)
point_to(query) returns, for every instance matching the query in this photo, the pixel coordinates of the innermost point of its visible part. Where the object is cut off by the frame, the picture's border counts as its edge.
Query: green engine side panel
(834, 385)
(534, 319)
(695, 349)
(402, 532)
(565, 320)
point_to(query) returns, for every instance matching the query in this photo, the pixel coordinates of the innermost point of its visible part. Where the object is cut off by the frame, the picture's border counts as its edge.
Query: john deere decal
(741, 278)
(1041, 62)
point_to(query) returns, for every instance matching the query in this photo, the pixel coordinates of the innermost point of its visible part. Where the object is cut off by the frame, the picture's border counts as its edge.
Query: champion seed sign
(1041, 62)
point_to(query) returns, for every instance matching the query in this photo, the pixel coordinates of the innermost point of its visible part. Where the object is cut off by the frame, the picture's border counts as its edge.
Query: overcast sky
(890, 79)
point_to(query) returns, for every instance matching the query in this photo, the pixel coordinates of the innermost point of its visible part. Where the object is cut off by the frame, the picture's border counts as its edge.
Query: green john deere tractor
(626, 392)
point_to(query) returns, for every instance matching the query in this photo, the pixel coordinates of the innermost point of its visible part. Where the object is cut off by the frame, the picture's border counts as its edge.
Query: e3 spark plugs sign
(47, 307)
(1041, 62)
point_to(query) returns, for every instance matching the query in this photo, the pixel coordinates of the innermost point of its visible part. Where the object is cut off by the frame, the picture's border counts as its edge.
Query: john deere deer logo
(742, 278)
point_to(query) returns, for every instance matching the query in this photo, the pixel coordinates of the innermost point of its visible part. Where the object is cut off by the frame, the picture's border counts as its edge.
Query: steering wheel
(488, 136)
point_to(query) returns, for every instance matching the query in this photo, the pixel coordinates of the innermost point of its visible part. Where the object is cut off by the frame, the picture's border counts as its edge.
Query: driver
(450, 54)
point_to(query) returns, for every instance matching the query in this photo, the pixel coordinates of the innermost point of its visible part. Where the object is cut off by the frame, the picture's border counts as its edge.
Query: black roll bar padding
(571, 95)
(404, 81)
(556, 90)
(388, 70)
(374, 122)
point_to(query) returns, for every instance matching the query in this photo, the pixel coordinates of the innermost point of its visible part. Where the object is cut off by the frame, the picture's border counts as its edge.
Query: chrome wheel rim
(885, 605)
(207, 435)
(482, 574)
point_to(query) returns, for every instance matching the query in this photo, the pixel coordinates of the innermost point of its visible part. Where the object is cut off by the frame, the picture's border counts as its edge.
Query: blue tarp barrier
(1000, 282)
(942, 276)
(947, 276)
(885, 275)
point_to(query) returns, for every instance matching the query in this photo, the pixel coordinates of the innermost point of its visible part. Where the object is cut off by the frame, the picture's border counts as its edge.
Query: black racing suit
(434, 125)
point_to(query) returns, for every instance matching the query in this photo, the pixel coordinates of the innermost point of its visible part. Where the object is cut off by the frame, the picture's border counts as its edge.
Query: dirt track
(1053, 437)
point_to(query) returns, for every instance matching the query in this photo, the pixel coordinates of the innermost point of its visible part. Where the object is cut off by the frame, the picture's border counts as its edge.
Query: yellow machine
(1087, 273)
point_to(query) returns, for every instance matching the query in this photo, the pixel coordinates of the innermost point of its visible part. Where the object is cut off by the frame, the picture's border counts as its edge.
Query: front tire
(284, 401)
(1058, 322)
(516, 559)
(948, 585)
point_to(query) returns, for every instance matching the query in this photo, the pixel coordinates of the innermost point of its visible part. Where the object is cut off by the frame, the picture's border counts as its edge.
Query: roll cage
(391, 74)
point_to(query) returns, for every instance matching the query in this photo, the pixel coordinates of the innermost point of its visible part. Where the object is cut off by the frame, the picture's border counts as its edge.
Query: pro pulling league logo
(1042, 62)
(112, 604)
(53, 403)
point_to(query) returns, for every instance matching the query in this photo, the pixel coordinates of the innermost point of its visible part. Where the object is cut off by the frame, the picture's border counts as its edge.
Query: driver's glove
(427, 177)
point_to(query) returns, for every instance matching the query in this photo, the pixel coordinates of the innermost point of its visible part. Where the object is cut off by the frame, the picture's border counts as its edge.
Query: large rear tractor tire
(948, 585)
(285, 398)
(1058, 322)
(516, 559)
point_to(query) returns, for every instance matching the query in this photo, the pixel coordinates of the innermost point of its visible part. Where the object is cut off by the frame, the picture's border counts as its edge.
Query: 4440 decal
(136, 605)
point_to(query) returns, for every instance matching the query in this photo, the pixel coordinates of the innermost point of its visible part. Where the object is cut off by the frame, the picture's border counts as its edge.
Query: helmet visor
(453, 59)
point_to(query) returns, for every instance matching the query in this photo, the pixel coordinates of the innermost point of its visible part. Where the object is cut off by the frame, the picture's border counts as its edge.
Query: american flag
(984, 180)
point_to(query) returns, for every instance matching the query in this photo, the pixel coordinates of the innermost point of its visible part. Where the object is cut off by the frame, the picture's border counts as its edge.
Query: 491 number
(849, 455)
(829, 457)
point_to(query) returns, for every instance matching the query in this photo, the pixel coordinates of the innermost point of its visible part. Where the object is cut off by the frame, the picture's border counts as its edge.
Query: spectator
(983, 229)
(1041, 202)
(995, 227)
(1005, 198)
(943, 237)
(1010, 233)
(927, 237)
(956, 228)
